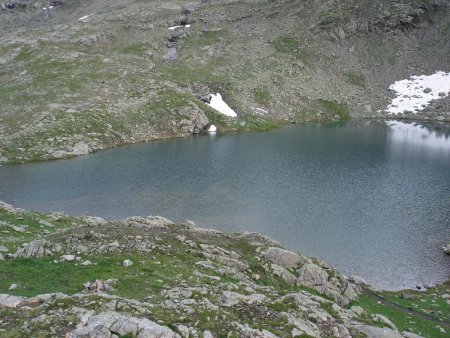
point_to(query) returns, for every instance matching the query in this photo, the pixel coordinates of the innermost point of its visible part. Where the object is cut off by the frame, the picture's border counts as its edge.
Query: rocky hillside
(79, 76)
(147, 277)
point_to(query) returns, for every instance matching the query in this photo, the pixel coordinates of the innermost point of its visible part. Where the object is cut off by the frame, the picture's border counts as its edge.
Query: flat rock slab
(10, 301)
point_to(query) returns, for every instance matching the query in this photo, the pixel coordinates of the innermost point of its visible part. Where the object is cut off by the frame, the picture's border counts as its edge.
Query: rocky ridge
(148, 277)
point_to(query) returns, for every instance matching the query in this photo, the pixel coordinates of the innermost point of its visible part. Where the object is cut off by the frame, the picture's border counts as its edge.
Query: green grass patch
(405, 321)
(261, 96)
(354, 78)
(286, 45)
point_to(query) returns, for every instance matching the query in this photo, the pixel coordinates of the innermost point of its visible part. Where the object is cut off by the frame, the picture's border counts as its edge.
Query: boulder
(94, 221)
(384, 320)
(126, 263)
(283, 273)
(9, 301)
(67, 258)
(333, 285)
(313, 276)
(377, 332)
(108, 323)
(286, 259)
(35, 249)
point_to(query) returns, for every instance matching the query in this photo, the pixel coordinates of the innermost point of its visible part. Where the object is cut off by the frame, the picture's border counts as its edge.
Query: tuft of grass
(404, 320)
(354, 78)
(261, 96)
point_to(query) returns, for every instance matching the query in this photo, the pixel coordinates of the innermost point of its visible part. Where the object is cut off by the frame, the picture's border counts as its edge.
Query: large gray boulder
(286, 259)
(329, 283)
(377, 332)
(35, 249)
(9, 301)
(107, 324)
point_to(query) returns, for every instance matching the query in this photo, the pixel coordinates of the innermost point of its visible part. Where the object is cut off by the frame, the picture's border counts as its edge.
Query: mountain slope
(95, 74)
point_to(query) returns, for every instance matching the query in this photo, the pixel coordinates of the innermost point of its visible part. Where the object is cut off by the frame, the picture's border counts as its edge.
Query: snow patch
(218, 104)
(212, 128)
(407, 135)
(84, 17)
(416, 93)
(175, 27)
(260, 111)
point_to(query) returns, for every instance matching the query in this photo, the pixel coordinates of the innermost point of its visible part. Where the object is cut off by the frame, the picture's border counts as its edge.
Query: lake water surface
(371, 199)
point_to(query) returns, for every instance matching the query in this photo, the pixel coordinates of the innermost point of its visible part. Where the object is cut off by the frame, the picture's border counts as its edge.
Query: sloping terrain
(87, 75)
(62, 276)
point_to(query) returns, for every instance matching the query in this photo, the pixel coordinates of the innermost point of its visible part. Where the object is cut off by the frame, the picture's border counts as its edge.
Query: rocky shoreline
(146, 277)
(83, 76)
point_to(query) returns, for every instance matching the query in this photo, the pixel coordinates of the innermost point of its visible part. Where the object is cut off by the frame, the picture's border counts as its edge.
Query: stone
(207, 334)
(357, 310)
(35, 249)
(283, 273)
(377, 332)
(94, 221)
(126, 263)
(80, 148)
(3, 248)
(305, 327)
(427, 90)
(13, 287)
(446, 249)
(312, 275)
(106, 323)
(67, 258)
(205, 98)
(383, 319)
(282, 257)
(10, 301)
(407, 334)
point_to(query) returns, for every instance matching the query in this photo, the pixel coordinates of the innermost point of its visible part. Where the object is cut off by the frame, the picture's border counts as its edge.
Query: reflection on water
(406, 135)
(371, 198)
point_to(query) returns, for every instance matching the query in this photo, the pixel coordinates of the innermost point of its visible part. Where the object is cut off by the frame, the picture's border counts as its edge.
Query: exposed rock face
(281, 257)
(185, 282)
(35, 249)
(336, 286)
(196, 120)
(10, 301)
(108, 324)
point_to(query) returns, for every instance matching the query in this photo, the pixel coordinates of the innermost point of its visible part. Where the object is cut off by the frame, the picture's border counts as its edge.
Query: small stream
(370, 198)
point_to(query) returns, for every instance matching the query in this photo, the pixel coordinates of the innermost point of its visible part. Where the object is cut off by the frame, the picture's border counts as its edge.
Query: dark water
(371, 199)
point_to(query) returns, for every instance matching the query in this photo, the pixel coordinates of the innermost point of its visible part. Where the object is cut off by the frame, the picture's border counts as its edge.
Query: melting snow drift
(218, 104)
(417, 92)
(84, 17)
(175, 27)
(212, 128)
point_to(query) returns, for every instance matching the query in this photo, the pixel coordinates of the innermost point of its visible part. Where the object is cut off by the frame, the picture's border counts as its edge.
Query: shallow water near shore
(372, 199)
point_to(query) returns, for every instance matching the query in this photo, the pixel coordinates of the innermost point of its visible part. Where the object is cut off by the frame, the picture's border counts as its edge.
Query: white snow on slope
(415, 136)
(416, 93)
(218, 104)
(175, 27)
(84, 17)
(212, 128)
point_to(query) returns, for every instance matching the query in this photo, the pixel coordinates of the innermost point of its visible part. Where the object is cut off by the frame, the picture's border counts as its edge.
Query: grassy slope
(171, 265)
(104, 81)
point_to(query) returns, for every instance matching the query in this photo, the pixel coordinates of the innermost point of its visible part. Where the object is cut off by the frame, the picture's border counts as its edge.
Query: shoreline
(239, 271)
